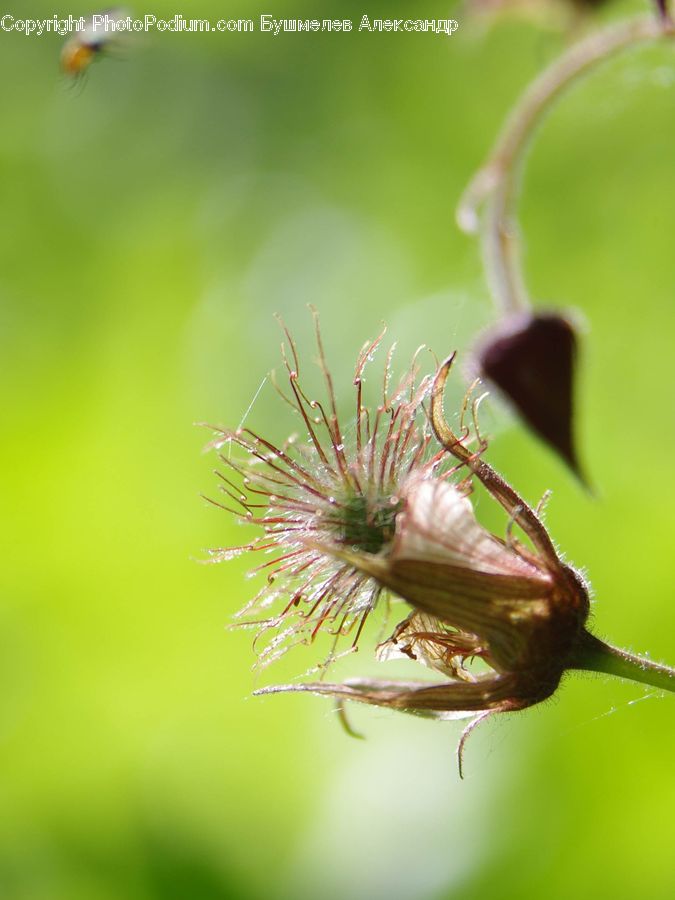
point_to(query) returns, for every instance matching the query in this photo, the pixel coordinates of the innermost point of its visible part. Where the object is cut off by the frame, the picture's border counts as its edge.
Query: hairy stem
(595, 655)
(496, 183)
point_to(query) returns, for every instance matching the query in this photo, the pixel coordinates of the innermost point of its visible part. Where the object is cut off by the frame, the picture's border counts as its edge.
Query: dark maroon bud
(531, 358)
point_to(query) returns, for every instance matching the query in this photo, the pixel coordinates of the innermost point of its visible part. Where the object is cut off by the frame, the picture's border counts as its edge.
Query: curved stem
(595, 655)
(497, 182)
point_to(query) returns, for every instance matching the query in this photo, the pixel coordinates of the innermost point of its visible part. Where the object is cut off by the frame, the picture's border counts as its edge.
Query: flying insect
(91, 42)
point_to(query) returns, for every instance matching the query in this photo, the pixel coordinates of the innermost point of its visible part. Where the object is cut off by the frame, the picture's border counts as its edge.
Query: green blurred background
(153, 219)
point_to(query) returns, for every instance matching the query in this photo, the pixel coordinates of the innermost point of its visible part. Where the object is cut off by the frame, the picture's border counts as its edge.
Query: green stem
(497, 184)
(594, 655)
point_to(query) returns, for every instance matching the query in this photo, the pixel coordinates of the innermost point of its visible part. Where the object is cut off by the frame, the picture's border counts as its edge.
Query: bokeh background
(154, 217)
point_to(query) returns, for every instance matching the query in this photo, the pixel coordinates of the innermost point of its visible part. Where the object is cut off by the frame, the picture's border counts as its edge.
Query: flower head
(384, 508)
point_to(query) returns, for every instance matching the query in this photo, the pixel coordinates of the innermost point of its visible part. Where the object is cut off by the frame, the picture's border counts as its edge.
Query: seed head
(384, 508)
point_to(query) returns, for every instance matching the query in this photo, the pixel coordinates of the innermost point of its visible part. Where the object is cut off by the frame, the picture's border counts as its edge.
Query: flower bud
(530, 358)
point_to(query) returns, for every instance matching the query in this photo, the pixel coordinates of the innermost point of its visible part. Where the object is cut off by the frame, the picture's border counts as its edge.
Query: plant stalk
(594, 655)
(497, 183)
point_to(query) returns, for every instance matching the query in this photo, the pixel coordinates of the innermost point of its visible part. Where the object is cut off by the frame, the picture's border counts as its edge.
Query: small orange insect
(86, 45)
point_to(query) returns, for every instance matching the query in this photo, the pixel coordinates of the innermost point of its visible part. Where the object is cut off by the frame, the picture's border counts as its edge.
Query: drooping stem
(496, 183)
(594, 655)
